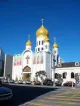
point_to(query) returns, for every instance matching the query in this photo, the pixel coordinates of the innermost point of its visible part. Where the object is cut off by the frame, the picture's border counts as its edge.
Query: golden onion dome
(46, 39)
(42, 31)
(28, 43)
(55, 45)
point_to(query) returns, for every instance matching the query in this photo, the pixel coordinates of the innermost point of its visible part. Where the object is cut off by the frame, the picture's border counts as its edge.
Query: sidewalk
(60, 97)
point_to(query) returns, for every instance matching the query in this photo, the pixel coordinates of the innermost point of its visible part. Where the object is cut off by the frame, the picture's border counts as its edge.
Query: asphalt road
(23, 93)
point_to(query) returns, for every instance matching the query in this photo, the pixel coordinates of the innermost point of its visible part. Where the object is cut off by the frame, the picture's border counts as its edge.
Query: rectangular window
(42, 42)
(38, 49)
(39, 42)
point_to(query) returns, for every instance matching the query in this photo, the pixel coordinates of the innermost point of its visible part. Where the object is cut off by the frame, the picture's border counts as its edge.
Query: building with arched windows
(68, 70)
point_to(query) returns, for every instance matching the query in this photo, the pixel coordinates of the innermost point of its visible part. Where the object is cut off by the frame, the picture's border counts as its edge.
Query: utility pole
(53, 71)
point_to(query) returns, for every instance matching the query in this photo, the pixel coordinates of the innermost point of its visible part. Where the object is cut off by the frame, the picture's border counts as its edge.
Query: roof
(68, 64)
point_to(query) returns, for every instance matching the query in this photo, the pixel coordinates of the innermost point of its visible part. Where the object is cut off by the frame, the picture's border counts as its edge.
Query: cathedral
(29, 62)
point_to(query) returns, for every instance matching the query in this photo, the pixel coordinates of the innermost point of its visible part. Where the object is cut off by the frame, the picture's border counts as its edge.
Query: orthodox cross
(42, 20)
(28, 36)
(54, 39)
(27, 59)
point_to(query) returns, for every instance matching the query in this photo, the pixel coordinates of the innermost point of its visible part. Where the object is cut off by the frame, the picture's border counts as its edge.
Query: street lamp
(53, 71)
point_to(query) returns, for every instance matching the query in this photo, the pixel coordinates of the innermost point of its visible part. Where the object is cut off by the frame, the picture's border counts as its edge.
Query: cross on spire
(42, 20)
(28, 36)
(54, 39)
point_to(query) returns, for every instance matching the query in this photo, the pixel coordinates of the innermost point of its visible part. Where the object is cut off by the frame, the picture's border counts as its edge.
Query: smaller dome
(46, 39)
(55, 45)
(28, 43)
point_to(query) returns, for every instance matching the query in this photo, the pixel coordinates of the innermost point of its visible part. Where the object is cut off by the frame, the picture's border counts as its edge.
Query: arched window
(64, 75)
(38, 49)
(56, 75)
(42, 42)
(39, 42)
(72, 75)
(42, 48)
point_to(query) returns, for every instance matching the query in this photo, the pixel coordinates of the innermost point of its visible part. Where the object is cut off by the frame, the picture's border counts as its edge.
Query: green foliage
(76, 77)
(59, 77)
(40, 73)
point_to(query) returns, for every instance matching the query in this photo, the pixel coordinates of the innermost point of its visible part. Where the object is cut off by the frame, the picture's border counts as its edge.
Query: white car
(28, 82)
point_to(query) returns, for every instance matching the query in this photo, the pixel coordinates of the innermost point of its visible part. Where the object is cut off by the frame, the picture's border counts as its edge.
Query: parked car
(69, 83)
(47, 82)
(28, 82)
(58, 83)
(0, 81)
(12, 81)
(5, 81)
(36, 83)
(5, 93)
(20, 82)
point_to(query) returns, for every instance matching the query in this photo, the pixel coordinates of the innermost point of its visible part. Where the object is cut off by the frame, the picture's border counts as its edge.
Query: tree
(59, 77)
(76, 77)
(41, 75)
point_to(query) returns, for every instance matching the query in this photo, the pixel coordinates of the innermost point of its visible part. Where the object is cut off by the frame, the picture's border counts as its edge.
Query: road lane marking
(38, 104)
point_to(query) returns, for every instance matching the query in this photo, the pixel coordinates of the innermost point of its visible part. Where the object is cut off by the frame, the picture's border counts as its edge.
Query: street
(23, 93)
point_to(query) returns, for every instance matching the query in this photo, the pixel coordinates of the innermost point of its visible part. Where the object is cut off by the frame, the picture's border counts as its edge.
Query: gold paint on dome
(55, 45)
(42, 31)
(46, 39)
(28, 43)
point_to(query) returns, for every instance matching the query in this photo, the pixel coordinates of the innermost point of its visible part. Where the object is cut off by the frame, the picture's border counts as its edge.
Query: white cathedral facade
(29, 62)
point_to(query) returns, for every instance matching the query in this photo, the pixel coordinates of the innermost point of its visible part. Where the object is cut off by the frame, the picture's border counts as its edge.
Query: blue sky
(18, 18)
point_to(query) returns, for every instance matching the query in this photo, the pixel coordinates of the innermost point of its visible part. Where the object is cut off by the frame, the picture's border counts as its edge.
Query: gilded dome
(28, 43)
(42, 31)
(46, 39)
(55, 45)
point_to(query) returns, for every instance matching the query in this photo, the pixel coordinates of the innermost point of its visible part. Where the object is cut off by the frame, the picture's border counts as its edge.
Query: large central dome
(42, 31)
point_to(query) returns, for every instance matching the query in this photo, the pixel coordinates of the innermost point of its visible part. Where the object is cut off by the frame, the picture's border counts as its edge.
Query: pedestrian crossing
(67, 98)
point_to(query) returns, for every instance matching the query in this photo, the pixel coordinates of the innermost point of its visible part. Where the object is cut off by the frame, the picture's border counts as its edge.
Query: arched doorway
(26, 73)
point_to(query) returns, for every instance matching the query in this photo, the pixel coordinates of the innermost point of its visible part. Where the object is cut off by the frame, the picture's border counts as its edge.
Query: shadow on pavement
(22, 94)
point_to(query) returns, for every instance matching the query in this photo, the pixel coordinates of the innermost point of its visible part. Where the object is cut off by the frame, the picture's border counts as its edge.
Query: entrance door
(26, 76)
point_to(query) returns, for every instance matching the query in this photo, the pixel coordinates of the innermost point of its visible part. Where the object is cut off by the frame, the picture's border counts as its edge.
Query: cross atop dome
(42, 20)
(28, 36)
(55, 45)
(54, 39)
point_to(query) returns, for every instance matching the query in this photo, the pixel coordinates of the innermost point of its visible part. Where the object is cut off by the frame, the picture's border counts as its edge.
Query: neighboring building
(68, 70)
(28, 62)
(8, 66)
(1, 63)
